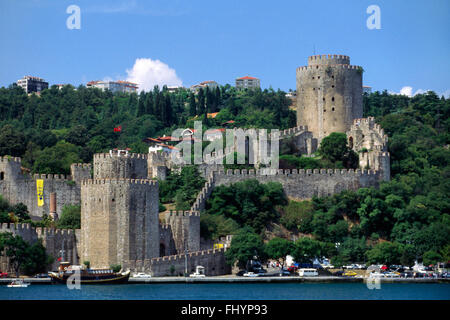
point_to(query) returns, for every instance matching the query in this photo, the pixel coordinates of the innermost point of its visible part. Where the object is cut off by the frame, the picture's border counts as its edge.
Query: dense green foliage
(181, 187)
(248, 202)
(335, 150)
(60, 127)
(12, 213)
(405, 219)
(245, 246)
(70, 217)
(24, 257)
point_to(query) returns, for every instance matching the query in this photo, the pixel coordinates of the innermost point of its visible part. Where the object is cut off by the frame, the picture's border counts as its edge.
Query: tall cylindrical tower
(329, 94)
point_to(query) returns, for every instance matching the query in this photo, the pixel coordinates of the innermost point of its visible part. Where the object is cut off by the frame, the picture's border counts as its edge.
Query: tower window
(332, 77)
(323, 99)
(2, 175)
(332, 99)
(324, 110)
(332, 85)
(318, 77)
(332, 109)
(313, 78)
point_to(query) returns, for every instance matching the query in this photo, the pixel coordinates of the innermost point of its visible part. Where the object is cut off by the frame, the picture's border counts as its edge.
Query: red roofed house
(247, 82)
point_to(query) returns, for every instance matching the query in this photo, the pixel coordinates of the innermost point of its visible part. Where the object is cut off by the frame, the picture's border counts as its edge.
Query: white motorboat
(18, 283)
(199, 272)
(141, 275)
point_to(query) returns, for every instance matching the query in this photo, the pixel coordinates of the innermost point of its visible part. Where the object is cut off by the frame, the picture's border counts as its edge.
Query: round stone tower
(329, 94)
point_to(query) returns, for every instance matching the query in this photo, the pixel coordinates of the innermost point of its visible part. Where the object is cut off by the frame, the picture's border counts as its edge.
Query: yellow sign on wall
(40, 191)
(218, 245)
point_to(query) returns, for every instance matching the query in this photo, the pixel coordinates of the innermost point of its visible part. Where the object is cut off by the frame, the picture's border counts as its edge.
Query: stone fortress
(119, 193)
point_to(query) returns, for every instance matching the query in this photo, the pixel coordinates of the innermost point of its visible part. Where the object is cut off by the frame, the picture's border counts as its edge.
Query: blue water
(232, 291)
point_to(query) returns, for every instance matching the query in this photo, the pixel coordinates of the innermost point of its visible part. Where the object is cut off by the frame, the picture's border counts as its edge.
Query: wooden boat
(88, 276)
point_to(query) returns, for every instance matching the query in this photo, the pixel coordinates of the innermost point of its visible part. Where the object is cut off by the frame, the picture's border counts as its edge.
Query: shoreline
(235, 279)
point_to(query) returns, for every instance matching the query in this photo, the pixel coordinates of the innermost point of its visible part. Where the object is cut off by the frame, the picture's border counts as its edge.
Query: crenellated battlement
(121, 155)
(40, 232)
(341, 66)
(7, 159)
(181, 257)
(119, 181)
(328, 59)
(174, 213)
(294, 172)
(52, 176)
(82, 165)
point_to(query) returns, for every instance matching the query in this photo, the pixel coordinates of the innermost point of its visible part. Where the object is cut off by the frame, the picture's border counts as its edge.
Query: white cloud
(147, 73)
(446, 94)
(407, 91)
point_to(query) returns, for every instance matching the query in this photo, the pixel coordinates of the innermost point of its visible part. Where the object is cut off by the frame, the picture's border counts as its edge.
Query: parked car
(406, 274)
(141, 275)
(349, 274)
(3, 274)
(284, 272)
(350, 266)
(392, 274)
(292, 268)
(251, 274)
(42, 275)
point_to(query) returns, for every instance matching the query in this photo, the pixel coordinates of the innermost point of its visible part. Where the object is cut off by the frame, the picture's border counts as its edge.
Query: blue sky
(221, 40)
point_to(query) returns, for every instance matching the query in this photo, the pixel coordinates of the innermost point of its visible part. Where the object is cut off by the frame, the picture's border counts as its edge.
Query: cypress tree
(201, 102)
(192, 105)
(141, 104)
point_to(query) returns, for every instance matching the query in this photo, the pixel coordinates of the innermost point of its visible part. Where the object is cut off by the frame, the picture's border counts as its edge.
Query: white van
(308, 272)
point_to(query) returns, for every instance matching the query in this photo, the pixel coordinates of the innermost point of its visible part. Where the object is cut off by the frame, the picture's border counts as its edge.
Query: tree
(12, 141)
(192, 105)
(24, 257)
(244, 246)
(431, 258)
(334, 148)
(385, 252)
(70, 217)
(306, 250)
(279, 248)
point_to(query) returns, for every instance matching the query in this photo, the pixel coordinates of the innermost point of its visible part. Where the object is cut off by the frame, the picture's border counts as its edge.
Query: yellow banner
(218, 245)
(40, 191)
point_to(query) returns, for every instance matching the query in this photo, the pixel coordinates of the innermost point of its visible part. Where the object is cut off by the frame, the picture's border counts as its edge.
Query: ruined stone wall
(212, 260)
(119, 220)
(368, 139)
(329, 94)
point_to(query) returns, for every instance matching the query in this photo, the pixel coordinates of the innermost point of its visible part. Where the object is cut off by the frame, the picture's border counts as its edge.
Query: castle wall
(119, 220)
(166, 241)
(329, 94)
(54, 240)
(297, 184)
(369, 140)
(115, 166)
(17, 187)
(185, 227)
(212, 260)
